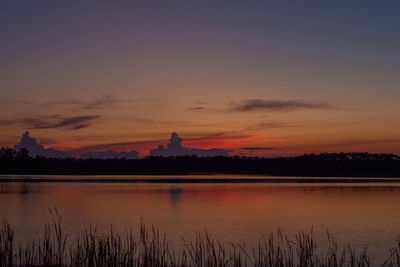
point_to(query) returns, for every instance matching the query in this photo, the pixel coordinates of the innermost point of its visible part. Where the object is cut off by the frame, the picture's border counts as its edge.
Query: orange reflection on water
(362, 214)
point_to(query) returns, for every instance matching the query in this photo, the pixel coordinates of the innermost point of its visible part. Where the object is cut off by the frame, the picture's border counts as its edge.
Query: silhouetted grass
(147, 247)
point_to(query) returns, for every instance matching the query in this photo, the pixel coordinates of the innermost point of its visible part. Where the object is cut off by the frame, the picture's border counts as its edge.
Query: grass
(147, 247)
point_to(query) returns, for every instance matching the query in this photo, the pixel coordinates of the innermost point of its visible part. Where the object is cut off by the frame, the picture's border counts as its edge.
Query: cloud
(99, 102)
(277, 105)
(54, 121)
(197, 108)
(80, 126)
(194, 142)
(219, 139)
(102, 101)
(121, 146)
(175, 148)
(50, 122)
(36, 149)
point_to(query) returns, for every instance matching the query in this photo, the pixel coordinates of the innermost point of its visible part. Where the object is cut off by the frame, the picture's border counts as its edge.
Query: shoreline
(193, 179)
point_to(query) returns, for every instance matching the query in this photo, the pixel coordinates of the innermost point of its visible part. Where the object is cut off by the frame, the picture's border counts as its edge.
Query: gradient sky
(255, 77)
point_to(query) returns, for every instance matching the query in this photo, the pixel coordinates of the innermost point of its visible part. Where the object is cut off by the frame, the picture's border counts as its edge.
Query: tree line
(324, 165)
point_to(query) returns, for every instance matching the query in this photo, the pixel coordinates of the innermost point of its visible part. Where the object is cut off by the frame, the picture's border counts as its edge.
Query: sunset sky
(255, 77)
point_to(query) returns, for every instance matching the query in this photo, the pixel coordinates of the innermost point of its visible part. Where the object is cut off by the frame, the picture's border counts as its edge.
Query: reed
(148, 247)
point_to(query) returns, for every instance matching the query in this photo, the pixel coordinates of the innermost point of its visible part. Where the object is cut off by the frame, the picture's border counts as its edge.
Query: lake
(360, 213)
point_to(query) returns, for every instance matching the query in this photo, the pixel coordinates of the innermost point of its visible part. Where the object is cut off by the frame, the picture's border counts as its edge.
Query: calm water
(362, 214)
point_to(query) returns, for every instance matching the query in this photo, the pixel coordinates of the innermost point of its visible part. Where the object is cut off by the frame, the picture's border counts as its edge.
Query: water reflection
(175, 195)
(363, 214)
(17, 188)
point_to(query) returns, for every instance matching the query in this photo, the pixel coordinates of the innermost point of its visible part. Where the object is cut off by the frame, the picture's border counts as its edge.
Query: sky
(253, 77)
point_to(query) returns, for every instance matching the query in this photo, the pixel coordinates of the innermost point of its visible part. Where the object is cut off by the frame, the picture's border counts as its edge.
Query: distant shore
(184, 179)
(351, 165)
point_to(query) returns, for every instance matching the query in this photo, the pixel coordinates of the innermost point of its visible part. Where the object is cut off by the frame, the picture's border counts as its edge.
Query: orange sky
(257, 79)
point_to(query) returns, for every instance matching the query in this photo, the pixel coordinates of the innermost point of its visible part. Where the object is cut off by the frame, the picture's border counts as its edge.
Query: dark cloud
(117, 146)
(215, 138)
(54, 121)
(196, 108)
(73, 123)
(36, 149)
(80, 126)
(277, 105)
(175, 148)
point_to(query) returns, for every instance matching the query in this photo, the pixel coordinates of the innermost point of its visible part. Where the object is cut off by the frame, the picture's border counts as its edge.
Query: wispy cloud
(196, 108)
(277, 105)
(99, 102)
(54, 121)
(102, 102)
(80, 105)
(80, 126)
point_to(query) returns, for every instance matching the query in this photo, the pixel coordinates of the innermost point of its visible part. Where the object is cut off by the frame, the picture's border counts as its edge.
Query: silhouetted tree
(325, 164)
(22, 154)
(7, 153)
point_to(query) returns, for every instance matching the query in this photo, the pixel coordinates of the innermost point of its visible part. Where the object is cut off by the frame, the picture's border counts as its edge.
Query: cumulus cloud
(175, 148)
(277, 105)
(36, 149)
